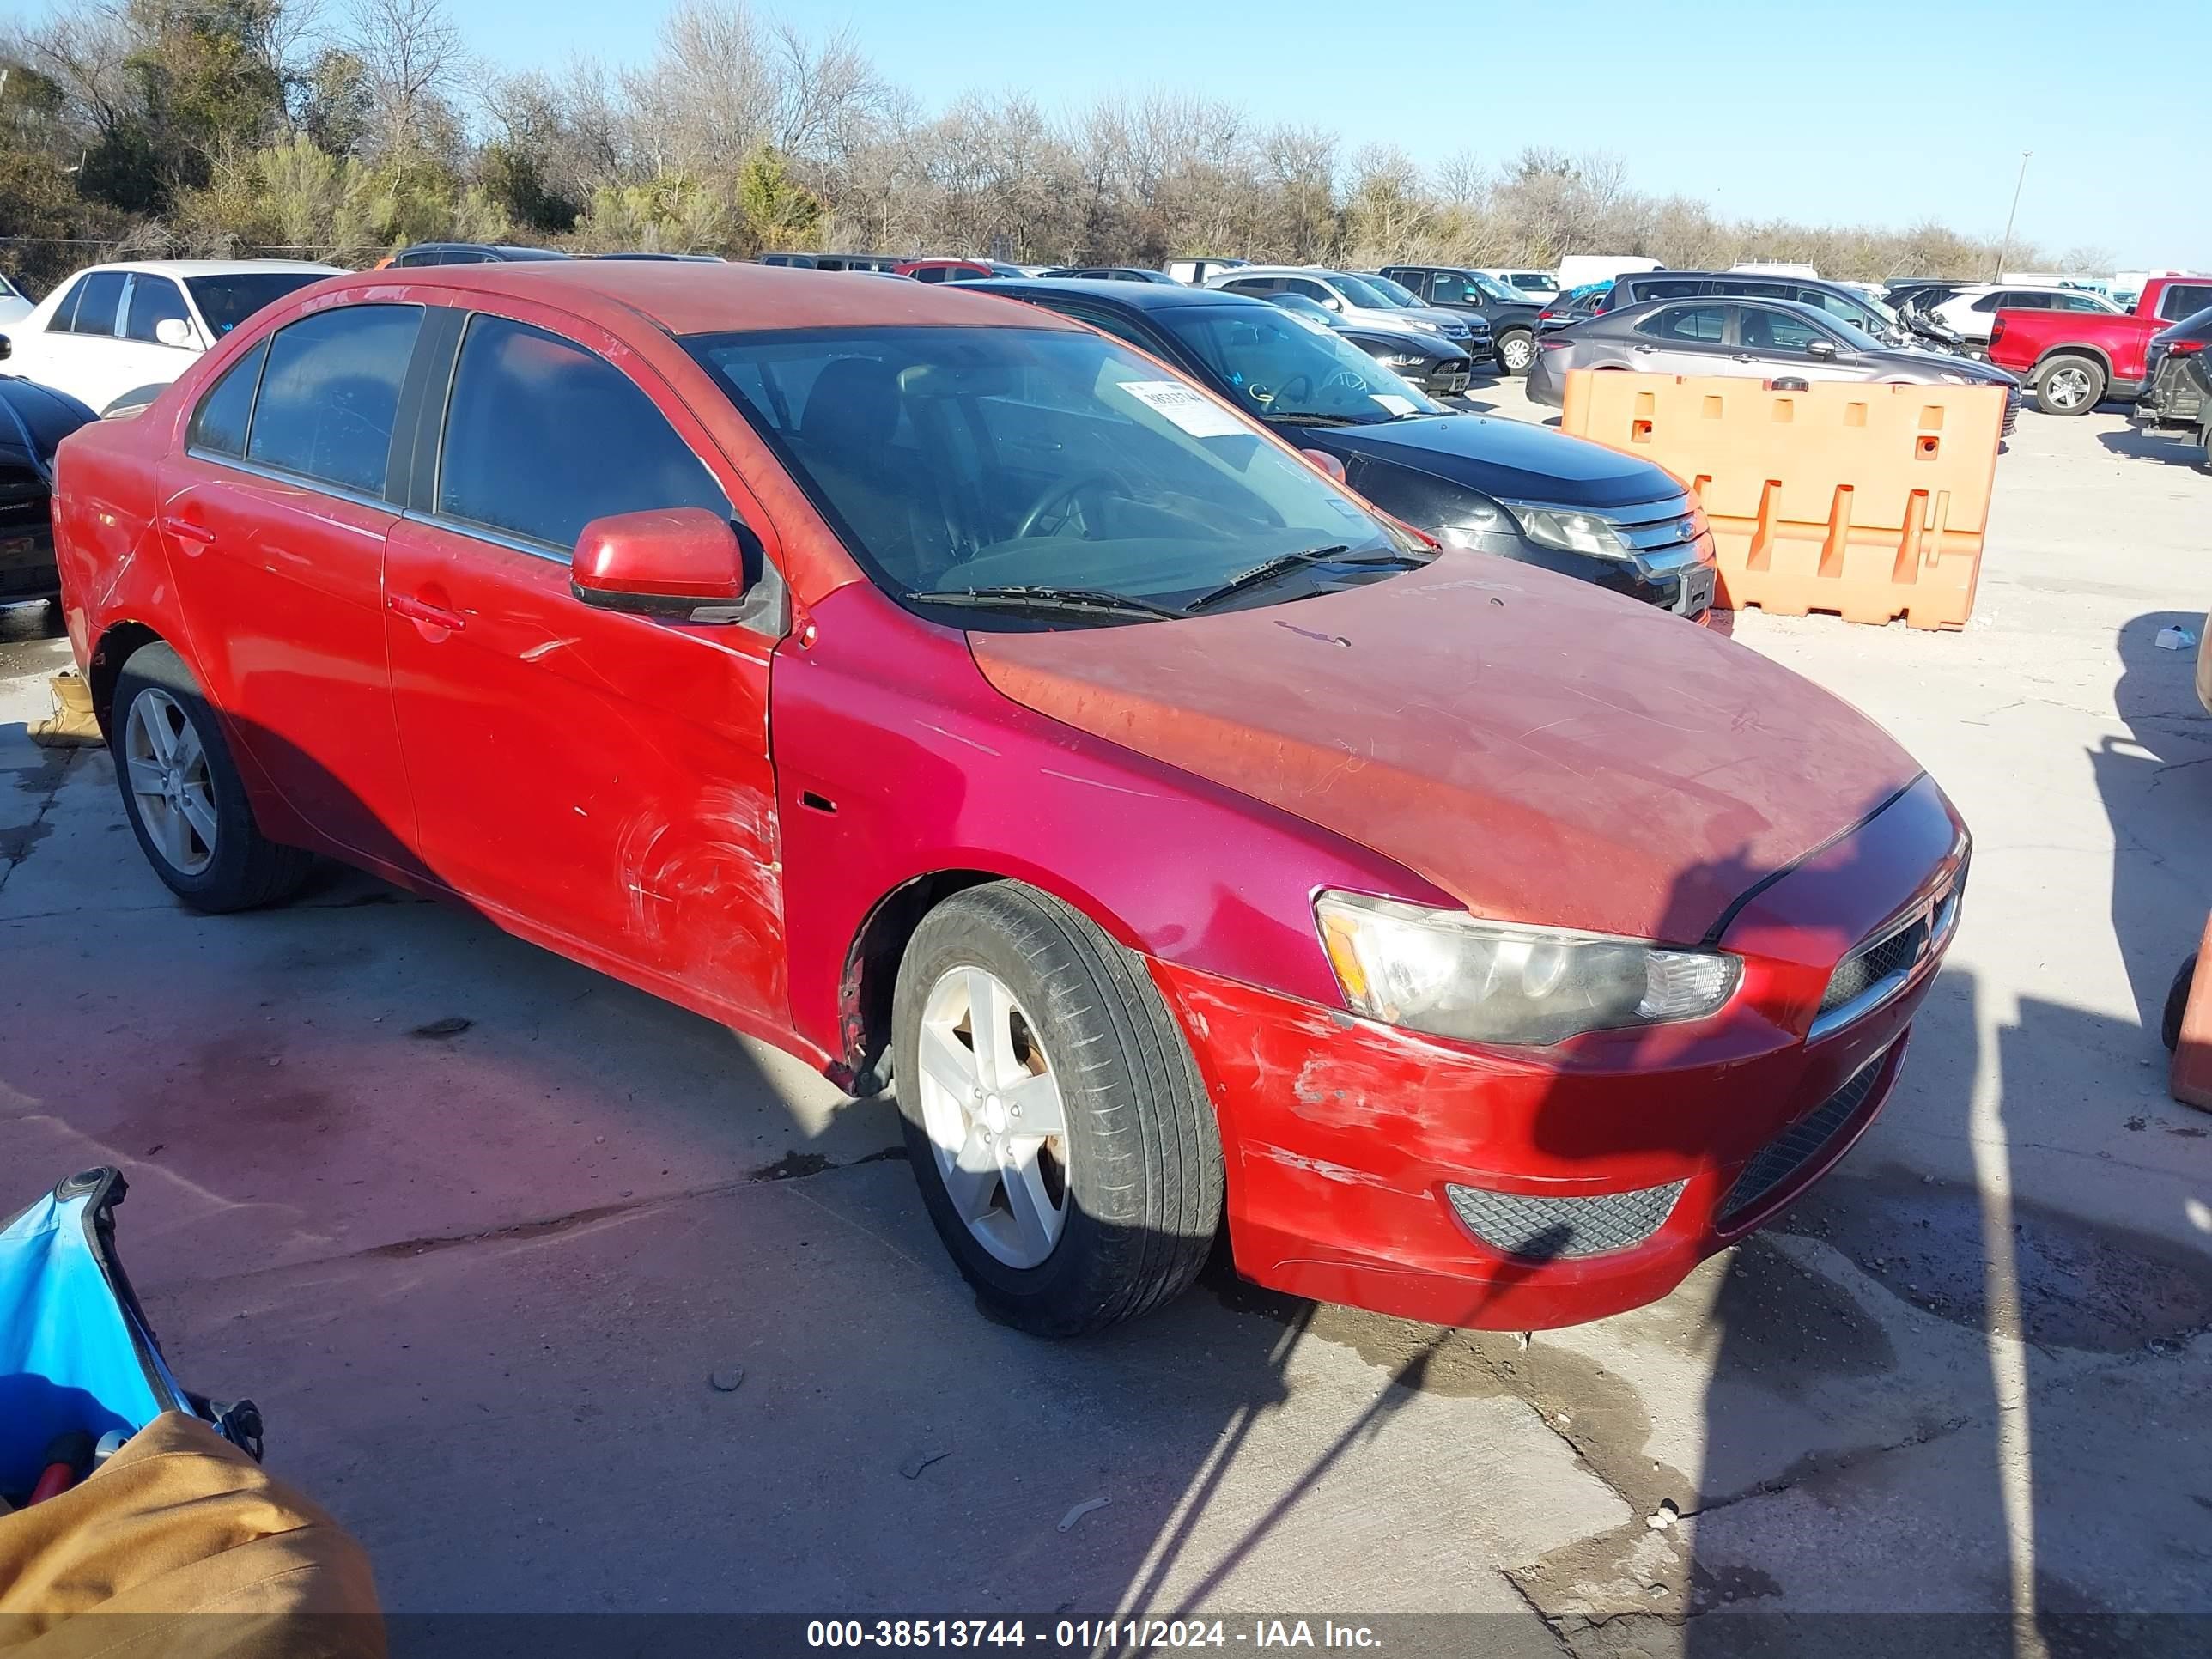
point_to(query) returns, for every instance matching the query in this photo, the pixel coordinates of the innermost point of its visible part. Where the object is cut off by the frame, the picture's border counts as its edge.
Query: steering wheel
(1064, 497)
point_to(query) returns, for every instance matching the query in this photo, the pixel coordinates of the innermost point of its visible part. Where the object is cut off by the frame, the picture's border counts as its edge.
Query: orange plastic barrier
(2191, 1082)
(1870, 501)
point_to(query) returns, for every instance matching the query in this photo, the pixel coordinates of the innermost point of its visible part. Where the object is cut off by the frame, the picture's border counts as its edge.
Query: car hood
(1511, 460)
(1401, 339)
(1541, 750)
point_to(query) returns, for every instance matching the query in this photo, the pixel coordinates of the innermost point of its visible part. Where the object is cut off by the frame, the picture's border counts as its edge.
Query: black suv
(1512, 319)
(1496, 486)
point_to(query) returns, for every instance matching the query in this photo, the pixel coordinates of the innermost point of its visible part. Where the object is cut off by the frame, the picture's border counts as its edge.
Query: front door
(1779, 342)
(597, 781)
(274, 518)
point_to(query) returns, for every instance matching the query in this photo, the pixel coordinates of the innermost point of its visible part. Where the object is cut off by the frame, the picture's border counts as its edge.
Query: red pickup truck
(2074, 360)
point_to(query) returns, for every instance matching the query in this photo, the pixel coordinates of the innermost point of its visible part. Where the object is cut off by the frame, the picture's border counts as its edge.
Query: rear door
(74, 353)
(274, 513)
(1686, 339)
(595, 779)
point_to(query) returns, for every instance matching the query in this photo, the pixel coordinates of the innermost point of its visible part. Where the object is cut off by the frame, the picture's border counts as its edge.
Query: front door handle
(422, 610)
(184, 530)
(1744, 357)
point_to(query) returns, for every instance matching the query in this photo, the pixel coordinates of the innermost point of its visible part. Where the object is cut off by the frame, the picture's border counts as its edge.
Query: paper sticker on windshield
(1394, 403)
(1193, 412)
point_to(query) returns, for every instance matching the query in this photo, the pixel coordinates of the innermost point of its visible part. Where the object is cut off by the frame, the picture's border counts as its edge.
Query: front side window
(96, 307)
(930, 274)
(1698, 325)
(1281, 368)
(328, 393)
(1763, 330)
(154, 300)
(543, 436)
(221, 421)
(1001, 470)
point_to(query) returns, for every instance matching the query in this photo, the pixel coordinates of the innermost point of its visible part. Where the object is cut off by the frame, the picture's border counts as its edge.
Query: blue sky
(1877, 113)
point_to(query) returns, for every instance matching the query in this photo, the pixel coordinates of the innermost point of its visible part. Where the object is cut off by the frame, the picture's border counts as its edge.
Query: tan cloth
(180, 1547)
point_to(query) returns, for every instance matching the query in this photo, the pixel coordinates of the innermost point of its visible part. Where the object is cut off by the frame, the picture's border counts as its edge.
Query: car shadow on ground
(2171, 446)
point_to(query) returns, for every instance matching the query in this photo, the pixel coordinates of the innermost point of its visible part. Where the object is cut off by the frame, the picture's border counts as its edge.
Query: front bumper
(1444, 379)
(1354, 1146)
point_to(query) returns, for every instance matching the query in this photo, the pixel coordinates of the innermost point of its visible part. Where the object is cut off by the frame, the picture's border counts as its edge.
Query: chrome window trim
(278, 474)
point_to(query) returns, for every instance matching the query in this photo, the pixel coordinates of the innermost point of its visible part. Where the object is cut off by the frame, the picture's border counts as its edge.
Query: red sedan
(945, 692)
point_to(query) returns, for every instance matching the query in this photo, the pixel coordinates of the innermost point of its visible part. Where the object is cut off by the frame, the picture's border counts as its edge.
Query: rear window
(227, 301)
(330, 391)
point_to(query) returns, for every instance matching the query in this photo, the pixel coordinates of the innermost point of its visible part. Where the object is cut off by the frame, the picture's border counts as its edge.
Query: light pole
(2005, 252)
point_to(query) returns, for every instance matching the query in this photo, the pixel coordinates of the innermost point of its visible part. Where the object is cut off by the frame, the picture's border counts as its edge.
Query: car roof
(210, 267)
(1645, 308)
(682, 298)
(1136, 296)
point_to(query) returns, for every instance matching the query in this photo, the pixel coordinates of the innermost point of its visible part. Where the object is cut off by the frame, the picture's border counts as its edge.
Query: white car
(1351, 297)
(113, 329)
(1971, 311)
(14, 305)
(1538, 287)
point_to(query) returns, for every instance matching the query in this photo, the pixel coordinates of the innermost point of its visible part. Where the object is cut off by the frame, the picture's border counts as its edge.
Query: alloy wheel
(167, 772)
(991, 1108)
(2068, 387)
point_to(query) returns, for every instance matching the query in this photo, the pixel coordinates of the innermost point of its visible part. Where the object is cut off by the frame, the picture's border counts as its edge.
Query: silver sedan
(1758, 339)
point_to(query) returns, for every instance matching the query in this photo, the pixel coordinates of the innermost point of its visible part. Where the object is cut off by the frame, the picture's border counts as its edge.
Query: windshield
(1360, 292)
(1851, 331)
(1000, 462)
(1396, 293)
(1280, 369)
(1303, 306)
(227, 301)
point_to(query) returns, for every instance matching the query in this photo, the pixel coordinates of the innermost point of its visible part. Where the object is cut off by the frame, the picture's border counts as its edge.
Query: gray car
(1349, 297)
(1759, 339)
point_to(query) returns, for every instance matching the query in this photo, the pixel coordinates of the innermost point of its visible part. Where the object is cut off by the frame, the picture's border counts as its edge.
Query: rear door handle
(423, 610)
(184, 530)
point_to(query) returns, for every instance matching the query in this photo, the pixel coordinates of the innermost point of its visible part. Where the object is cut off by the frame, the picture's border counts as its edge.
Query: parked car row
(1039, 728)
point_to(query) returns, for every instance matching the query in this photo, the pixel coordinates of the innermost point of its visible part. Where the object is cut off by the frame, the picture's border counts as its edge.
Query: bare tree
(416, 65)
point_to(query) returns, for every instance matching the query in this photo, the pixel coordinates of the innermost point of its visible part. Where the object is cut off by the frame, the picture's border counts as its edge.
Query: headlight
(1480, 523)
(1954, 379)
(1577, 532)
(1405, 360)
(1456, 976)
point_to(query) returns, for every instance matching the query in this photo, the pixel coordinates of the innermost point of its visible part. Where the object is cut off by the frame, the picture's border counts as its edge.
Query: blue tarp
(75, 1351)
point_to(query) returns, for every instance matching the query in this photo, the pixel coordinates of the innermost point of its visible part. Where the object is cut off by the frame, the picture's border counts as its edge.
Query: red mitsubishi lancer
(959, 699)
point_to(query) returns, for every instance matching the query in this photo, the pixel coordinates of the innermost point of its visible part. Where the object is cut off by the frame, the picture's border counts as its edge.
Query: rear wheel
(2070, 384)
(183, 794)
(1054, 1116)
(1516, 349)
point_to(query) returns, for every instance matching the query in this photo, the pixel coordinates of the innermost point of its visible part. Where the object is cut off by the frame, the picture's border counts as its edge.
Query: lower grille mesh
(1781, 1158)
(1542, 1229)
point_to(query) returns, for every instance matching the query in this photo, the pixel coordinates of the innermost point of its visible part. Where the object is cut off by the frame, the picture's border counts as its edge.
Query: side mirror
(7, 349)
(669, 562)
(1822, 351)
(173, 331)
(1333, 303)
(1326, 462)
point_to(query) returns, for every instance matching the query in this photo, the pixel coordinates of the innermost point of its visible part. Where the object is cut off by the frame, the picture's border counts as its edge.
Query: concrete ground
(482, 1282)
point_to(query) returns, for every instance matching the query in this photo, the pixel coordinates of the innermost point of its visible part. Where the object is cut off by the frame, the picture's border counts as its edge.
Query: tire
(243, 870)
(1516, 349)
(2070, 384)
(1139, 1164)
(2177, 1004)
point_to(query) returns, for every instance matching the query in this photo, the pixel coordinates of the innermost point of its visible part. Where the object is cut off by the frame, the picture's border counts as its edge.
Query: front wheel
(1516, 349)
(183, 797)
(1054, 1116)
(2070, 384)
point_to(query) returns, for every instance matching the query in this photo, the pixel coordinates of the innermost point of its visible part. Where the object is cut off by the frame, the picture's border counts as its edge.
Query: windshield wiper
(1283, 564)
(1034, 598)
(1316, 419)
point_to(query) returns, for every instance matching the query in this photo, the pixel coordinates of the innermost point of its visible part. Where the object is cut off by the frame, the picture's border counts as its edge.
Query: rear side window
(930, 274)
(154, 300)
(543, 436)
(1699, 324)
(329, 392)
(220, 423)
(2183, 298)
(97, 306)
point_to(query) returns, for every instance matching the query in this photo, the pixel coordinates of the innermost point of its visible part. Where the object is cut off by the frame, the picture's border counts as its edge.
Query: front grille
(1542, 1229)
(1778, 1162)
(1662, 533)
(1868, 966)
(2012, 410)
